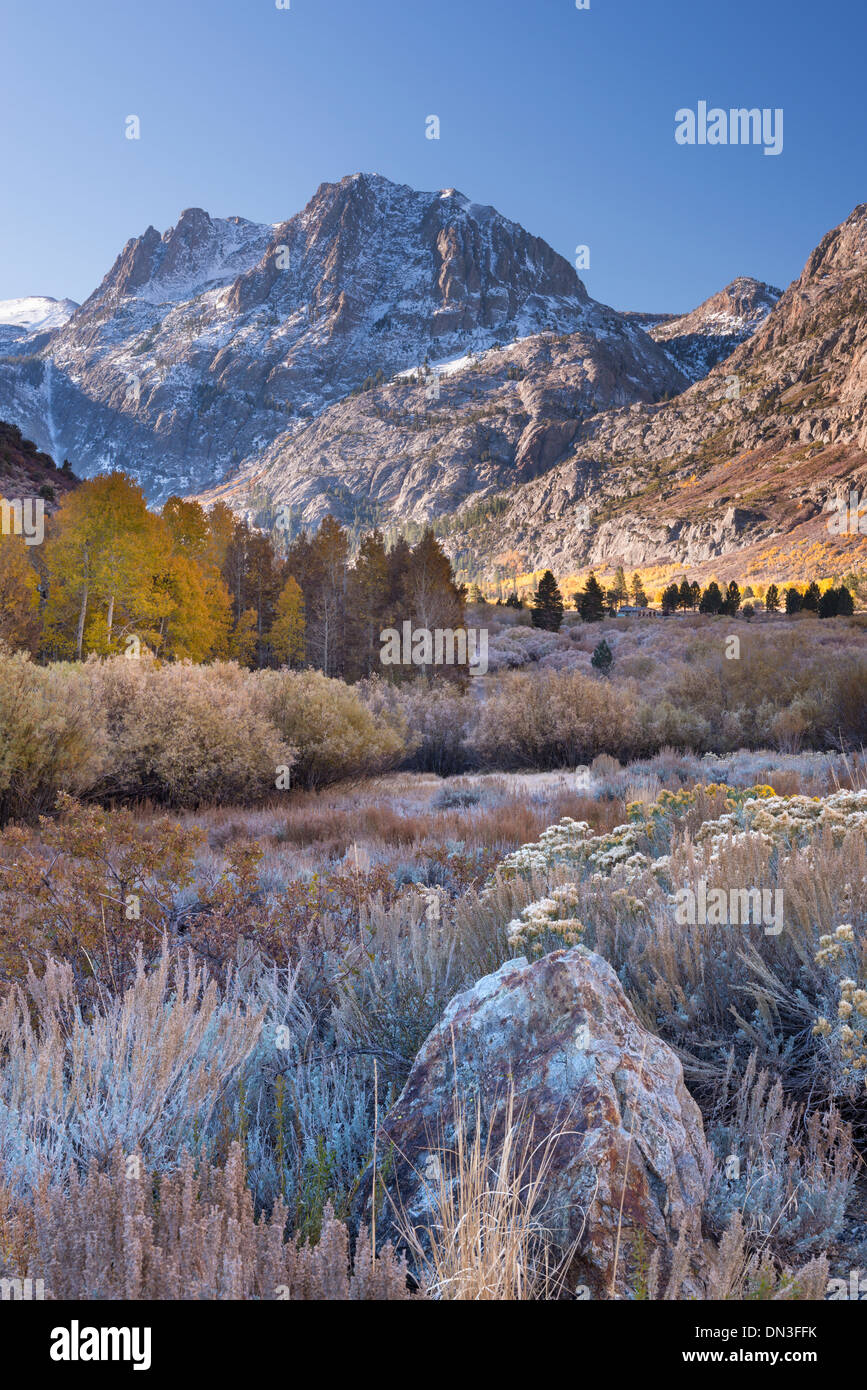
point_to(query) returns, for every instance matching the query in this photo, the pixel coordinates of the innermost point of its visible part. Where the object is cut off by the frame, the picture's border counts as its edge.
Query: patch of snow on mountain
(36, 313)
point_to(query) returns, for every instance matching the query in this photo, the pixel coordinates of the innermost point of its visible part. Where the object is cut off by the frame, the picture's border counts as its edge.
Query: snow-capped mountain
(23, 321)
(218, 340)
(697, 342)
(36, 313)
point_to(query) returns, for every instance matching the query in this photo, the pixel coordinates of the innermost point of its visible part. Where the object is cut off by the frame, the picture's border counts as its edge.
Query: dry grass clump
(487, 1239)
(739, 1272)
(336, 822)
(796, 1170)
(129, 1232)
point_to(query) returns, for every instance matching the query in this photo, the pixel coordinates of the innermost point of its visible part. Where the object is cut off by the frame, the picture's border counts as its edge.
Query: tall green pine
(547, 609)
(591, 603)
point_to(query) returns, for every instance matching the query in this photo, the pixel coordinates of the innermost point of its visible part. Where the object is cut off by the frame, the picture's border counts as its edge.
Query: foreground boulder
(628, 1146)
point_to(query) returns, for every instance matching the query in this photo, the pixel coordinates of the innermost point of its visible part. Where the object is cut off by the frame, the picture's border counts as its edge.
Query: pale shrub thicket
(518, 645)
(433, 717)
(51, 735)
(145, 1072)
(92, 1107)
(326, 721)
(546, 720)
(190, 736)
(185, 735)
(176, 733)
(791, 686)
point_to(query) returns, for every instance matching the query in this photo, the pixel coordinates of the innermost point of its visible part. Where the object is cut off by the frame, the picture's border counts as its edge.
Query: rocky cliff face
(538, 447)
(205, 345)
(746, 462)
(431, 440)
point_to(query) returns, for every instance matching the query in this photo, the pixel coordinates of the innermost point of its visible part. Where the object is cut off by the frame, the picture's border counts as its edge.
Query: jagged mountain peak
(843, 248)
(205, 342)
(289, 364)
(197, 252)
(831, 286)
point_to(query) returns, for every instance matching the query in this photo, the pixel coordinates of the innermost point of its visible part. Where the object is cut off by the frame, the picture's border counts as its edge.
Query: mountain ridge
(202, 342)
(390, 355)
(745, 465)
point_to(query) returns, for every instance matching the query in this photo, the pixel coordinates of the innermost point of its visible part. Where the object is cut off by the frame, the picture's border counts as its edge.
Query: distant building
(628, 611)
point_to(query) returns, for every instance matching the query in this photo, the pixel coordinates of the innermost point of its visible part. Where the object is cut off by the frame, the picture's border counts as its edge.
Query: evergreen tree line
(594, 603)
(832, 603)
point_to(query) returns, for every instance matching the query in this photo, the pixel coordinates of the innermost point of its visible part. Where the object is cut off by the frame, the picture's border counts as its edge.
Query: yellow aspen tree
(19, 595)
(287, 631)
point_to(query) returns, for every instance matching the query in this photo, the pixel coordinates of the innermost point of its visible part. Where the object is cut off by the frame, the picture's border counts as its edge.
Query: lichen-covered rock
(629, 1151)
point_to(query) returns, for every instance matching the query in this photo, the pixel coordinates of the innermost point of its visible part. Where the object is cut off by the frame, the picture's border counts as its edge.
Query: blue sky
(563, 119)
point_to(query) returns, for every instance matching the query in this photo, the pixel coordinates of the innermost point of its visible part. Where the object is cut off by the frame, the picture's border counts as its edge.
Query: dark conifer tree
(591, 602)
(732, 600)
(828, 604)
(548, 604)
(602, 658)
(794, 602)
(670, 598)
(711, 599)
